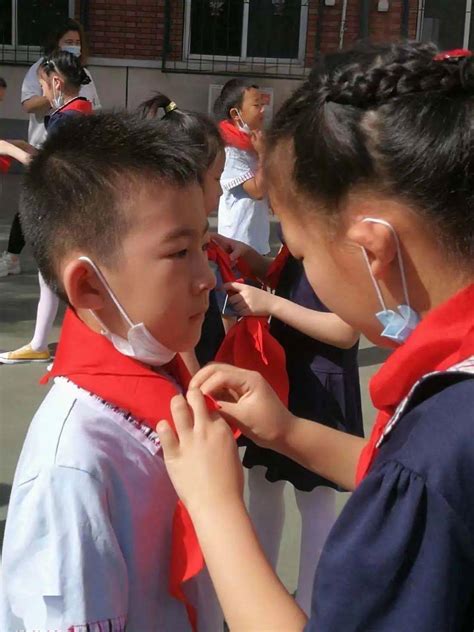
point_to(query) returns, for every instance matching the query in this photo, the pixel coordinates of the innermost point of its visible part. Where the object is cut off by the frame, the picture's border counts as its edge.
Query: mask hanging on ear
(58, 98)
(243, 127)
(140, 343)
(397, 325)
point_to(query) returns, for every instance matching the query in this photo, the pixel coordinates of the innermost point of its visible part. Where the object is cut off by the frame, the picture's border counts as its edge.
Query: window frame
(303, 30)
(467, 21)
(15, 52)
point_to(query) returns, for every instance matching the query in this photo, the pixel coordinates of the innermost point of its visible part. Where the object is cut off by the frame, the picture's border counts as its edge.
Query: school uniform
(401, 555)
(241, 217)
(89, 534)
(324, 383)
(31, 87)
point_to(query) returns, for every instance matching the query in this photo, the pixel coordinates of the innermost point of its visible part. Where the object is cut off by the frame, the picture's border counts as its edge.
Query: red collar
(444, 338)
(78, 104)
(91, 361)
(234, 137)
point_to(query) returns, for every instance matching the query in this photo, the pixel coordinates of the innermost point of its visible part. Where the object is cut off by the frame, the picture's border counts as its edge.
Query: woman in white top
(69, 36)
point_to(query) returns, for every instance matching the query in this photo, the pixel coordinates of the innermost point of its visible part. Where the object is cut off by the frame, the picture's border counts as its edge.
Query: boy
(113, 210)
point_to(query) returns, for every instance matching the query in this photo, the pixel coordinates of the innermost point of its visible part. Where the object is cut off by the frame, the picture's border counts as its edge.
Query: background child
(321, 362)
(243, 209)
(70, 37)
(204, 136)
(61, 77)
(115, 216)
(386, 232)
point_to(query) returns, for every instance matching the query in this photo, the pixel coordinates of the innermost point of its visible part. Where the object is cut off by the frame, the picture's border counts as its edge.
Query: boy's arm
(62, 564)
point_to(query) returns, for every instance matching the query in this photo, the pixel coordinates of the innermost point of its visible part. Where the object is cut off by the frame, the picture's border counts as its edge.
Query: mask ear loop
(399, 257)
(374, 280)
(109, 290)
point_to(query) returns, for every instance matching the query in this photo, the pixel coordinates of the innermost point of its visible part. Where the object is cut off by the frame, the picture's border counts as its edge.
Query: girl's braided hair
(392, 118)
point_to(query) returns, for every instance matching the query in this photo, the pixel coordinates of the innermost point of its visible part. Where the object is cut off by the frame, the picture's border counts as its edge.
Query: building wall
(127, 39)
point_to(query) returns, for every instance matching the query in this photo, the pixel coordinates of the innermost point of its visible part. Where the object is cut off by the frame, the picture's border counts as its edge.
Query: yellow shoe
(23, 355)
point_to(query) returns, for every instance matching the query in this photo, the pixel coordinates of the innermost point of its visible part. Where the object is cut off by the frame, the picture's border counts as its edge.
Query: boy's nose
(206, 279)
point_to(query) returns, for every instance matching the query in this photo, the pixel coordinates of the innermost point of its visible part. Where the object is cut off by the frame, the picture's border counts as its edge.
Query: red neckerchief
(276, 267)
(444, 338)
(91, 362)
(5, 162)
(249, 343)
(233, 136)
(78, 104)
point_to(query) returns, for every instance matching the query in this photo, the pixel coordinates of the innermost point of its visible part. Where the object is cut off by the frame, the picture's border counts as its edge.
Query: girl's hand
(235, 249)
(201, 456)
(250, 301)
(247, 399)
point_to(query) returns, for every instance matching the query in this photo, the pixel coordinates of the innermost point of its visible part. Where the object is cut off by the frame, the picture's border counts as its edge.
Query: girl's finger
(212, 368)
(198, 405)
(182, 416)
(168, 439)
(236, 287)
(222, 383)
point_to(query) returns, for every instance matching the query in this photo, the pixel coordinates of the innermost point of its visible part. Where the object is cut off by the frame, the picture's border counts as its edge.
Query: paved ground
(20, 393)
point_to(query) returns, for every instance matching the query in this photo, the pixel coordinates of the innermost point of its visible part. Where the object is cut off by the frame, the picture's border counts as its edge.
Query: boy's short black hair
(3, 83)
(76, 194)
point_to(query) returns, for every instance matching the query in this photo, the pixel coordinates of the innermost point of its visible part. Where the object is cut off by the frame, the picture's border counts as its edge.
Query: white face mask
(399, 325)
(242, 125)
(73, 49)
(58, 98)
(140, 343)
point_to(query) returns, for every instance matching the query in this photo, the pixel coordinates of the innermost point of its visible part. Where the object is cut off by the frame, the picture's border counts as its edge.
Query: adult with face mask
(69, 37)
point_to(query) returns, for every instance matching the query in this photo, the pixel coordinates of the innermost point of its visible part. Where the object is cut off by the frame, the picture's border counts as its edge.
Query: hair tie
(453, 55)
(170, 107)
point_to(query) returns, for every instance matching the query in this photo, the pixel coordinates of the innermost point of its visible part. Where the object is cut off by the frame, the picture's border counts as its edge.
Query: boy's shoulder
(73, 428)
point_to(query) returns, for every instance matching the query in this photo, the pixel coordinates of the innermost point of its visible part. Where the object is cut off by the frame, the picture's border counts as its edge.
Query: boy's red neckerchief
(234, 137)
(91, 362)
(444, 338)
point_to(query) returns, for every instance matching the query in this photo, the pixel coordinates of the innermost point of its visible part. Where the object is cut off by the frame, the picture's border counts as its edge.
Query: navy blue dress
(324, 383)
(212, 334)
(400, 558)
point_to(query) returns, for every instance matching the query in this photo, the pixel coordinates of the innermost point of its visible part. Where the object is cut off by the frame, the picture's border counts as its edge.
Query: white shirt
(241, 217)
(31, 87)
(88, 533)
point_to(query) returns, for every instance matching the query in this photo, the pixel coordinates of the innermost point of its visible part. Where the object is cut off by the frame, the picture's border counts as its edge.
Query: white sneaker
(9, 264)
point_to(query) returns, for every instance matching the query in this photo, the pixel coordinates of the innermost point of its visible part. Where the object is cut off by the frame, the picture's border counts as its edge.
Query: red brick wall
(382, 26)
(134, 29)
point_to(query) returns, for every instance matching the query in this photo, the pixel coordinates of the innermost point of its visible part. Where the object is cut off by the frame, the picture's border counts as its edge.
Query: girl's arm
(204, 466)
(19, 150)
(258, 264)
(326, 327)
(249, 401)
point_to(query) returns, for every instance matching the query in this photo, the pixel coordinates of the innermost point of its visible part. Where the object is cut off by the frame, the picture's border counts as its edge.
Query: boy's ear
(234, 115)
(82, 286)
(379, 244)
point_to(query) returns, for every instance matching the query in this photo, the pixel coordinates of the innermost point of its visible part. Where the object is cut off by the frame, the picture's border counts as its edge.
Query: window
(25, 24)
(447, 23)
(255, 30)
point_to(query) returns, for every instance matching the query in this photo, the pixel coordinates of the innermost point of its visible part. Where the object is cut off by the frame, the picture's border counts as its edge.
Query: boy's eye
(180, 255)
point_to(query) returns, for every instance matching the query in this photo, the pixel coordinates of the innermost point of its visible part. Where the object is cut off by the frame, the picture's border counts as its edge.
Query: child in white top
(243, 209)
(89, 533)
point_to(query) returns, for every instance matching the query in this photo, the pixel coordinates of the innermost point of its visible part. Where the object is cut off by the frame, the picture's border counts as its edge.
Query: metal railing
(257, 38)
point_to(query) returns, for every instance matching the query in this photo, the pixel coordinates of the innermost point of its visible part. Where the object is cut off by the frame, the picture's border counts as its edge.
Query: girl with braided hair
(370, 168)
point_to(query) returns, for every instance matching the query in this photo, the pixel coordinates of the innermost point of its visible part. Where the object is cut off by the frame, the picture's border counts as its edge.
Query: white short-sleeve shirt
(88, 533)
(241, 217)
(31, 87)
